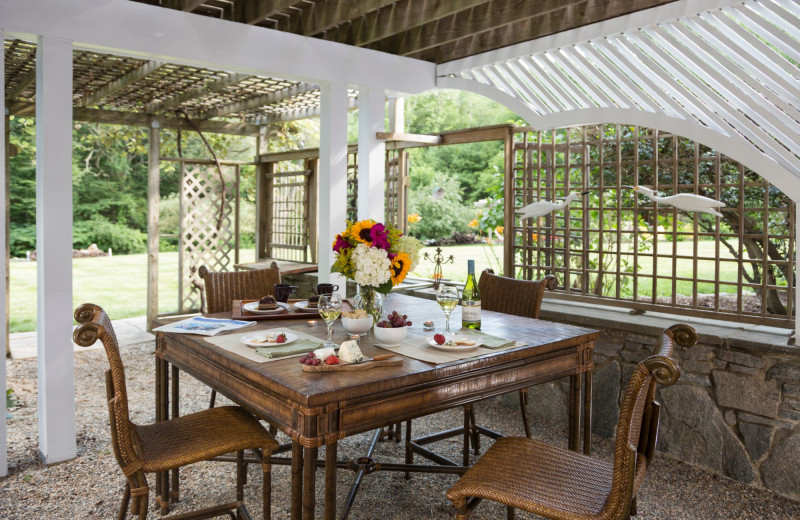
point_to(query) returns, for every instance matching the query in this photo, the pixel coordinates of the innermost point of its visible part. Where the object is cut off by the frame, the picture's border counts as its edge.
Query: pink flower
(379, 236)
(340, 244)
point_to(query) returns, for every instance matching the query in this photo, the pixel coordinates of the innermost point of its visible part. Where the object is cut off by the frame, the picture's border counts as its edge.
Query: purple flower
(379, 236)
(340, 244)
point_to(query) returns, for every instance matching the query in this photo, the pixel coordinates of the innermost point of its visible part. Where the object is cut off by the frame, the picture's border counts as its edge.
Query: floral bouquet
(375, 255)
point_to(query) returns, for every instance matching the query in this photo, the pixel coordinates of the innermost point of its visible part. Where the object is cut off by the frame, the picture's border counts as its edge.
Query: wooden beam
(479, 19)
(21, 85)
(411, 138)
(195, 93)
(323, 16)
(153, 197)
(120, 83)
(183, 5)
(114, 117)
(252, 12)
(300, 113)
(397, 20)
(259, 101)
(467, 37)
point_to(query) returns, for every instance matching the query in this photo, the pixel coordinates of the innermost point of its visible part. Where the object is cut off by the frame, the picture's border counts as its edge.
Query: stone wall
(735, 411)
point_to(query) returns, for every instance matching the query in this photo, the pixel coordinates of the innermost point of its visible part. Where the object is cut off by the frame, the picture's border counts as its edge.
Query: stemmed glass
(330, 307)
(447, 298)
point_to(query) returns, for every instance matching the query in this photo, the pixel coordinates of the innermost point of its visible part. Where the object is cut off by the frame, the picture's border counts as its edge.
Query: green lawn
(119, 283)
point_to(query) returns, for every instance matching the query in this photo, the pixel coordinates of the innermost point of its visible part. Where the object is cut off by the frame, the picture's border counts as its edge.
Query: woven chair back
(221, 288)
(94, 324)
(511, 296)
(635, 412)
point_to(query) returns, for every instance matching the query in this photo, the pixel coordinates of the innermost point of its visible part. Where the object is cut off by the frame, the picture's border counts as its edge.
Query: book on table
(204, 326)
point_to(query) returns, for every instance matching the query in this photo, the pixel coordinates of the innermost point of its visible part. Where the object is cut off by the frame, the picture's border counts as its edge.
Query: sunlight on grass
(117, 283)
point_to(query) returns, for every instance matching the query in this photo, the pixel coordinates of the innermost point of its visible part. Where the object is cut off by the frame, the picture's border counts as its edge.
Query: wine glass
(330, 307)
(447, 298)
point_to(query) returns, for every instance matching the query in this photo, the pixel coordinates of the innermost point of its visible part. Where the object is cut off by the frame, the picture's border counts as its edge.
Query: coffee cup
(326, 288)
(283, 290)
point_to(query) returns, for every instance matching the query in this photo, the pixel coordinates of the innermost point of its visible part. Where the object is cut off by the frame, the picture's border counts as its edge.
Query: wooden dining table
(319, 409)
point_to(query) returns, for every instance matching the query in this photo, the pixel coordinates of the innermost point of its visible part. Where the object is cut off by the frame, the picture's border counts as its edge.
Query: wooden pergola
(235, 65)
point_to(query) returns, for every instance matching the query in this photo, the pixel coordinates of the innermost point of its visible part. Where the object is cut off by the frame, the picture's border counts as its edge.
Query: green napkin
(292, 349)
(485, 340)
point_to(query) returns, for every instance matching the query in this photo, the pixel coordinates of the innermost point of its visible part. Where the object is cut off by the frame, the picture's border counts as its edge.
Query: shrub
(119, 238)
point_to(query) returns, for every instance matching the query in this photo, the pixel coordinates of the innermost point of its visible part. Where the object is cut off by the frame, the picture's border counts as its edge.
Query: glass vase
(369, 299)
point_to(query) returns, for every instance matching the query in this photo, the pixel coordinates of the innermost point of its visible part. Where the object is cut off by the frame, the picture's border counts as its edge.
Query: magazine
(204, 326)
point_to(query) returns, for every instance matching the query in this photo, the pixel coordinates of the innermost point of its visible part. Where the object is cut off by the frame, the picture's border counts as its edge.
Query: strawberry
(332, 360)
(281, 338)
(439, 339)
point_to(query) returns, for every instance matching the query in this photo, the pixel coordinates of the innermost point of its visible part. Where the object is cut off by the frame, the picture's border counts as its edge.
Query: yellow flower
(499, 230)
(414, 218)
(400, 267)
(360, 231)
(473, 223)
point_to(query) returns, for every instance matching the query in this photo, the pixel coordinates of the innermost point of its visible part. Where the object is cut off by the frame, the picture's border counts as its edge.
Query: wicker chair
(167, 445)
(221, 288)
(500, 294)
(560, 484)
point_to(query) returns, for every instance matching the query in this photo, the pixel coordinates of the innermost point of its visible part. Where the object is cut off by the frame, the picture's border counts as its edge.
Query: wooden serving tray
(353, 367)
(238, 314)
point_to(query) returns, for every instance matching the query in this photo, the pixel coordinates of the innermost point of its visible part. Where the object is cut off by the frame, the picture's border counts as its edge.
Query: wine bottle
(471, 300)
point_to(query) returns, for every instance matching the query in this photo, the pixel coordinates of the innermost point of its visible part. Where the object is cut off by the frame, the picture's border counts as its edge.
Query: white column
(796, 263)
(3, 278)
(371, 154)
(332, 175)
(54, 249)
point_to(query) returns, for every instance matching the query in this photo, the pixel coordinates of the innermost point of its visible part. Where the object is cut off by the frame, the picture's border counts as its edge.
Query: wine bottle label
(471, 312)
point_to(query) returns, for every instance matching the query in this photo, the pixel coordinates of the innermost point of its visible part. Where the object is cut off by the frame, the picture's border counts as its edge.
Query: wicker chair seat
(538, 477)
(200, 436)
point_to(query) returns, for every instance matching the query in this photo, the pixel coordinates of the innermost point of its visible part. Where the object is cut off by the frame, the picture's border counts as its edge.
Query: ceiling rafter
(259, 101)
(184, 5)
(397, 19)
(324, 16)
(468, 35)
(120, 83)
(24, 82)
(252, 12)
(195, 93)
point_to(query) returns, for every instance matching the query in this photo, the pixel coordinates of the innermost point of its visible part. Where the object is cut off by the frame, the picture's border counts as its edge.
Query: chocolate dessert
(267, 303)
(313, 301)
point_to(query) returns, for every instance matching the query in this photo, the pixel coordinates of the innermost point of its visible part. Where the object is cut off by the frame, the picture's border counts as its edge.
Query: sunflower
(361, 232)
(401, 264)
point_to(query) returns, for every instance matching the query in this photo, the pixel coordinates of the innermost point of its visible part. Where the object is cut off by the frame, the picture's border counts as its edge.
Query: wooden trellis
(205, 239)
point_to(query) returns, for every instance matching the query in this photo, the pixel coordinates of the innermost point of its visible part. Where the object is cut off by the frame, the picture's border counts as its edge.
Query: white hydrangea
(411, 246)
(372, 265)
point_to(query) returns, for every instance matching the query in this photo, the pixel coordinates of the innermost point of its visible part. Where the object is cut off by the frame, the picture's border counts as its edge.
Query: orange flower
(534, 237)
(499, 230)
(414, 218)
(473, 223)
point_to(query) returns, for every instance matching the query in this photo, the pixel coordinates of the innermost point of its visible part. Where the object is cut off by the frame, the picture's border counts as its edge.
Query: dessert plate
(302, 306)
(258, 340)
(253, 307)
(452, 348)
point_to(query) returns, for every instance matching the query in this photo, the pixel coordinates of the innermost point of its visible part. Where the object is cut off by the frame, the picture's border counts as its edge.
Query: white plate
(257, 340)
(458, 348)
(302, 306)
(253, 307)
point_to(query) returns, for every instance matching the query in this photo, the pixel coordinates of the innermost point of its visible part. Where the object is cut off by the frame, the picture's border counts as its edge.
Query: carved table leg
(330, 481)
(297, 480)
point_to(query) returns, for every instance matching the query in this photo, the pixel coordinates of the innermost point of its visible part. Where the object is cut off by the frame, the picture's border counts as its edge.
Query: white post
(3, 279)
(54, 249)
(796, 262)
(332, 175)
(371, 154)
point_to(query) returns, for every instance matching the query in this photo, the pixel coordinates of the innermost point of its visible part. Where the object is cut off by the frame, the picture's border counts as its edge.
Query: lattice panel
(616, 245)
(202, 242)
(397, 188)
(289, 236)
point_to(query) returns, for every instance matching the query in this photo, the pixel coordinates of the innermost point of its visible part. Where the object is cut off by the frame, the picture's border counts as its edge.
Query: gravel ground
(90, 486)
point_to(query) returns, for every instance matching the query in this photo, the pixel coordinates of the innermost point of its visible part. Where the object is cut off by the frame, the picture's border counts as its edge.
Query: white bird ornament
(683, 201)
(543, 207)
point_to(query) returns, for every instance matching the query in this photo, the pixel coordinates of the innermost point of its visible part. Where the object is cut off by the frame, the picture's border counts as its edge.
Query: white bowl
(357, 325)
(390, 336)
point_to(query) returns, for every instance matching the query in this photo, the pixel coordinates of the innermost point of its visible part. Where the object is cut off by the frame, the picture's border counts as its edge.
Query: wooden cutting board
(353, 367)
